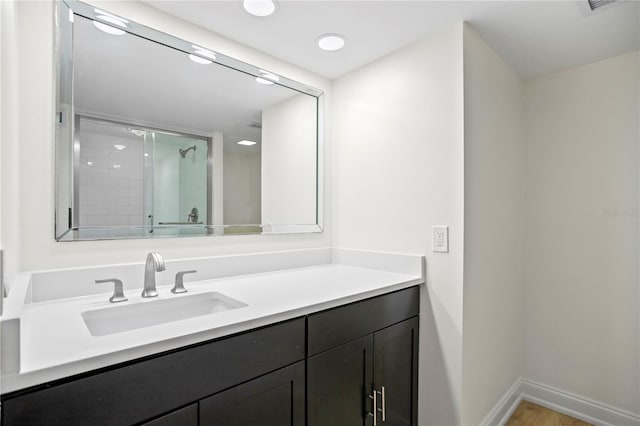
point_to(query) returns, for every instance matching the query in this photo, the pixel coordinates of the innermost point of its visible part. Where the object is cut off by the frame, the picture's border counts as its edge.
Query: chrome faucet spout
(154, 263)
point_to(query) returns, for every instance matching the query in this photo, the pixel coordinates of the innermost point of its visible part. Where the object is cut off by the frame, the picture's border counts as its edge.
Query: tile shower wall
(110, 181)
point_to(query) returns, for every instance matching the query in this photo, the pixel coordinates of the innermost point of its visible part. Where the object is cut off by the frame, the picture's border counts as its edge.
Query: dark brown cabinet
(395, 373)
(338, 382)
(276, 399)
(187, 416)
(143, 390)
(372, 375)
(321, 369)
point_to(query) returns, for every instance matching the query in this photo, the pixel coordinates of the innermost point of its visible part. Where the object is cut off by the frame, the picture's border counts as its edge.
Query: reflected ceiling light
(204, 52)
(137, 132)
(89, 163)
(246, 143)
(259, 8)
(146, 154)
(119, 147)
(266, 77)
(116, 166)
(71, 16)
(108, 28)
(199, 53)
(331, 42)
(199, 60)
(105, 13)
(111, 19)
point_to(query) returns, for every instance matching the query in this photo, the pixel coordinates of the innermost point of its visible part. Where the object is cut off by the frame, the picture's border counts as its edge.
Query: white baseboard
(503, 410)
(576, 406)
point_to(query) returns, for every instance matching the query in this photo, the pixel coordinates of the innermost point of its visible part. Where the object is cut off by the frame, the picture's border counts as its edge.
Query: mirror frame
(66, 229)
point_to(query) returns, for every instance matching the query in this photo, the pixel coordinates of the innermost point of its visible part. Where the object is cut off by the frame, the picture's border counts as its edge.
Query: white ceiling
(536, 37)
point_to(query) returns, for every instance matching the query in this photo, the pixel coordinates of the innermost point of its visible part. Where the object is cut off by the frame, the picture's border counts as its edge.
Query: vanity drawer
(142, 390)
(333, 327)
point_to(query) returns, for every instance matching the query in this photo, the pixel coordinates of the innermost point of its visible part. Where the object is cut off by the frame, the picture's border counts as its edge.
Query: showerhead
(183, 152)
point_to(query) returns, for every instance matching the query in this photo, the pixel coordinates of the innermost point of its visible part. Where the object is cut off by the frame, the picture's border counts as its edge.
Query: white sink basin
(116, 319)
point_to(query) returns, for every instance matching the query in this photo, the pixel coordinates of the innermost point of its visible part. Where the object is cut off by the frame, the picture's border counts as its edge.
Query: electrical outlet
(441, 239)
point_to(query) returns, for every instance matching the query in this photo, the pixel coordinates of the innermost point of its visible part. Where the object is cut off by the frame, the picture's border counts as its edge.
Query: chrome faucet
(155, 262)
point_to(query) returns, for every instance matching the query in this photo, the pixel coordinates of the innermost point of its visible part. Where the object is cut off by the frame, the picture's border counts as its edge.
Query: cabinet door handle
(374, 396)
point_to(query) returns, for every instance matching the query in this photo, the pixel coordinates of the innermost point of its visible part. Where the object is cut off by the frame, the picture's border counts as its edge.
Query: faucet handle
(179, 285)
(118, 292)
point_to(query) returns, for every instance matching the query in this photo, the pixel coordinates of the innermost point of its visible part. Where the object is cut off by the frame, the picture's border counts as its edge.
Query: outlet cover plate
(440, 239)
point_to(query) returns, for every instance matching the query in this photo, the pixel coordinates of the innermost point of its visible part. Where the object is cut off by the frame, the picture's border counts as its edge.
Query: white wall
(494, 163)
(242, 188)
(582, 284)
(10, 147)
(399, 170)
(2, 60)
(289, 161)
(30, 187)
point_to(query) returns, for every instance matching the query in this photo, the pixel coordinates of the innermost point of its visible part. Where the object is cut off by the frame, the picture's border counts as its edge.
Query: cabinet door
(338, 382)
(275, 399)
(396, 369)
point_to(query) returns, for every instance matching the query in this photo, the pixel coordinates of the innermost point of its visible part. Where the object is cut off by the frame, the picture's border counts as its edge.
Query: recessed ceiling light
(266, 77)
(259, 7)
(146, 154)
(331, 42)
(137, 132)
(89, 163)
(246, 143)
(119, 147)
(199, 60)
(116, 166)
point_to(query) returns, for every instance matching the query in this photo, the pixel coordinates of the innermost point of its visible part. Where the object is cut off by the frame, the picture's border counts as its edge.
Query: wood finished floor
(530, 414)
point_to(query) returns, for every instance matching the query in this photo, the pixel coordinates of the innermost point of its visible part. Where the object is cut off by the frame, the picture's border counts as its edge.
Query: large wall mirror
(158, 137)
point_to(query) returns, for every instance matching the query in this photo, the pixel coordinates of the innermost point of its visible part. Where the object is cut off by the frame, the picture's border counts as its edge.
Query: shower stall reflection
(127, 175)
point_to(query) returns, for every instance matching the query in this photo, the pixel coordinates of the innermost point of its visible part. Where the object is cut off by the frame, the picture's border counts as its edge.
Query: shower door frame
(76, 165)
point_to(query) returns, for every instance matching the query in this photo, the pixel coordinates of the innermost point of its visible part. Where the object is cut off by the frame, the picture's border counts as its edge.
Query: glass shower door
(176, 182)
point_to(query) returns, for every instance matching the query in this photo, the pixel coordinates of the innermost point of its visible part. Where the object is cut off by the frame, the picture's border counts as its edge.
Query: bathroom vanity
(331, 340)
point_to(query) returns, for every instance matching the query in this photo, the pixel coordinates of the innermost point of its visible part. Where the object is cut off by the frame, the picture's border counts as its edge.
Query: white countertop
(55, 341)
